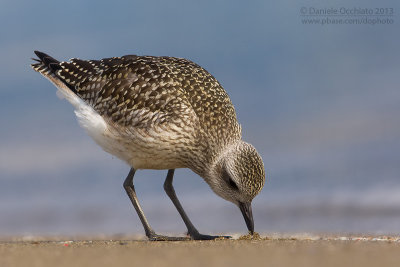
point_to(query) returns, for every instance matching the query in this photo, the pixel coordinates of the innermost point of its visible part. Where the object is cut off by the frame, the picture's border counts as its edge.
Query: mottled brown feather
(165, 87)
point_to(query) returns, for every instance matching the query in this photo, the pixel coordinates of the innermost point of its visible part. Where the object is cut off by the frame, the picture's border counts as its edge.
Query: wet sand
(270, 251)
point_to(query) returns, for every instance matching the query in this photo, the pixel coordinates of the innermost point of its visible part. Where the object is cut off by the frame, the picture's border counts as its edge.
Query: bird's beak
(245, 208)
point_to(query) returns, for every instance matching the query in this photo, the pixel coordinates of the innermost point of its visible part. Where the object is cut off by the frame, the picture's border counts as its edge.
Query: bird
(162, 113)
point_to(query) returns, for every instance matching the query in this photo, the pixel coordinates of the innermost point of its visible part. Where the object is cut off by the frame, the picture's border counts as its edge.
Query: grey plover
(161, 113)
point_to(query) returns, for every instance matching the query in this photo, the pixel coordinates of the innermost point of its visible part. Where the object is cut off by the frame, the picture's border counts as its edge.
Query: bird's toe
(156, 237)
(199, 236)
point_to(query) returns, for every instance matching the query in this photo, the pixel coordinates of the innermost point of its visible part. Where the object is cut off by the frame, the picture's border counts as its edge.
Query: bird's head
(238, 176)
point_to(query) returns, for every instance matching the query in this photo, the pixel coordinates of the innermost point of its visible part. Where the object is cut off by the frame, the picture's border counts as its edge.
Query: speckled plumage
(145, 93)
(160, 113)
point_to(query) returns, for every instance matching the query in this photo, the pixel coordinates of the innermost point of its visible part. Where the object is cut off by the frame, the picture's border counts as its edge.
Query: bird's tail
(46, 65)
(49, 68)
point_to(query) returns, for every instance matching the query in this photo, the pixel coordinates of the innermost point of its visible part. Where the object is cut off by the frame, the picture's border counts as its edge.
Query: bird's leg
(130, 190)
(169, 189)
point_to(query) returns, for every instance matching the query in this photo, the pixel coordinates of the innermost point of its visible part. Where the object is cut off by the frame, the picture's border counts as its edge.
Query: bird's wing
(135, 91)
(130, 91)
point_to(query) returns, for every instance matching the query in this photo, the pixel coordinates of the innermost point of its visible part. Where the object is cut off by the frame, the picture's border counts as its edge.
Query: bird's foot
(198, 236)
(156, 237)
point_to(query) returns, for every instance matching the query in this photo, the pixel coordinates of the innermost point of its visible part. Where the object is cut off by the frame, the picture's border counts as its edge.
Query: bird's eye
(229, 180)
(233, 184)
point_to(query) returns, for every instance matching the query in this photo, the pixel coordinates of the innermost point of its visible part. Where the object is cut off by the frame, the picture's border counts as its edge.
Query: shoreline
(234, 237)
(278, 251)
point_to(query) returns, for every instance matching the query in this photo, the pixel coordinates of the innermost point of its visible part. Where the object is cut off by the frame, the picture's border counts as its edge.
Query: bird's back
(152, 96)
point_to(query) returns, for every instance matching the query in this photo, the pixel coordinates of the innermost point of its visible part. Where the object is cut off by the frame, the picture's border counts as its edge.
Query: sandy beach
(267, 251)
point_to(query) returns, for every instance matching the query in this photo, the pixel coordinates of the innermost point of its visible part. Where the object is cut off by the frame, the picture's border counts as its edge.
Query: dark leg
(130, 190)
(169, 189)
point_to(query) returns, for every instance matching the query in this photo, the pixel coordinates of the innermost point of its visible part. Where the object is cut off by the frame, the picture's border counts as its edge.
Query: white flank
(88, 118)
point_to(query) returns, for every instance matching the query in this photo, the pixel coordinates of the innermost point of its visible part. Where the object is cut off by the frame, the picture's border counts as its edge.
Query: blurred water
(320, 103)
(91, 201)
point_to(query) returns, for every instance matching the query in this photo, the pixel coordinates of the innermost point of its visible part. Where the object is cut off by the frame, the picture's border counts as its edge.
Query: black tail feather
(51, 63)
(48, 66)
(45, 58)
